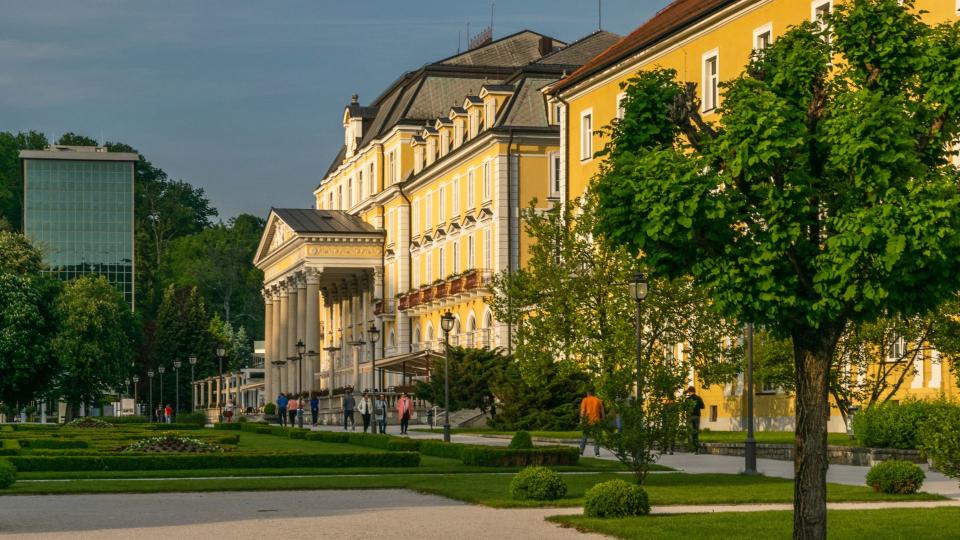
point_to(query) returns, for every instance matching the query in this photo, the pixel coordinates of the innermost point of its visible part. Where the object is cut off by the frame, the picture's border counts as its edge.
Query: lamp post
(161, 370)
(128, 389)
(136, 379)
(221, 352)
(638, 290)
(750, 446)
(150, 412)
(446, 324)
(374, 336)
(176, 368)
(301, 349)
(193, 389)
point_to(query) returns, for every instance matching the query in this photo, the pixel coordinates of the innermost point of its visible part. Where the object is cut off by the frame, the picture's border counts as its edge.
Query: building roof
(671, 19)
(515, 50)
(310, 221)
(581, 51)
(78, 153)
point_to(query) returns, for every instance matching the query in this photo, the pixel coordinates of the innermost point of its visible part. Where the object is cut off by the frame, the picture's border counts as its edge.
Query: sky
(243, 98)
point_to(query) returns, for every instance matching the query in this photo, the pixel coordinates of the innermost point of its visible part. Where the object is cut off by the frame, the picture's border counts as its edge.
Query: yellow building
(414, 216)
(705, 41)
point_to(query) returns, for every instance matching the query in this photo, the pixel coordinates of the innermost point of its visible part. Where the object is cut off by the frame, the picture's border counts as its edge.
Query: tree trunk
(813, 351)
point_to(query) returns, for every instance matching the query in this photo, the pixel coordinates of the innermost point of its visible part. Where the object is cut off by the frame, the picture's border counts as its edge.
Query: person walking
(168, 414)
(591, 414)
(349, 404)
(365, 408)
(694, 406)
(292, 405)
(158, 414)
(404, 412)
(228, 411)
(380, 412)
(314, 408)
(282, 401)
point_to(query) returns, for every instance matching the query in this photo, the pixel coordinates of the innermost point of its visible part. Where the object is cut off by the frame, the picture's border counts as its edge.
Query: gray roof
(527, 106)
(512, 51)
(78, 156)
(310, 221)
(581, 51)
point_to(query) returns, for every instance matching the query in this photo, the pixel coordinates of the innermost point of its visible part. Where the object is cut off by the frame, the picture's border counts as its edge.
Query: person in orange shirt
(591, 414)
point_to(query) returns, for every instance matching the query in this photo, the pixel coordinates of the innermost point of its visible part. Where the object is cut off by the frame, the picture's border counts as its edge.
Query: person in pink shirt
(404, 412)
(292, 407)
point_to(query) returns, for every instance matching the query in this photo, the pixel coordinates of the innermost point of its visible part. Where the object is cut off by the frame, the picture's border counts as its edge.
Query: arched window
(429, 331)
(488, 320)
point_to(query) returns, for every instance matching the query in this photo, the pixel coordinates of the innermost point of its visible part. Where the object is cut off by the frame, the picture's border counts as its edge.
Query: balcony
(474, 280)
(385, 307)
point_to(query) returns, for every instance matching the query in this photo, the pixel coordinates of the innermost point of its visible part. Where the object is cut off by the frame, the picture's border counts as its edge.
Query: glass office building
(78, 208)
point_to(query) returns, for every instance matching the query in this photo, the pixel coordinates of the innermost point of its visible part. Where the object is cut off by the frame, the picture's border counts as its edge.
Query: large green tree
(94, 341)
(824, 194)
(182, 330)
(473, 374)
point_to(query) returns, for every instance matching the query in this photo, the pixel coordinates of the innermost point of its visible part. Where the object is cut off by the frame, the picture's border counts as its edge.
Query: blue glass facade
(80, 213)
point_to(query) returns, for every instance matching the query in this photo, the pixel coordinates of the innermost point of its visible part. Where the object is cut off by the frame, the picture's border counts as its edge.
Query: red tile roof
(676, 16)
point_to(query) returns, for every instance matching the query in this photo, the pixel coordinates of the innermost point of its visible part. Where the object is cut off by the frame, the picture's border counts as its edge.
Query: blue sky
(243, 98)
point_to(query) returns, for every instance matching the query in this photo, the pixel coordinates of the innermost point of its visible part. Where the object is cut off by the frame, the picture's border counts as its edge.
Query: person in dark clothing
(694, 406)
(282, 408)
(314, 409)
(349, 404)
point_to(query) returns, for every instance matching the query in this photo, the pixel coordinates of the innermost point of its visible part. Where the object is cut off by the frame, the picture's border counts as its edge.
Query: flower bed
(170, 443)
(89, 423)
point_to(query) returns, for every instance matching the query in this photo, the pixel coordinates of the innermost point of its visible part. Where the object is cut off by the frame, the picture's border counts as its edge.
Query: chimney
(546, 45)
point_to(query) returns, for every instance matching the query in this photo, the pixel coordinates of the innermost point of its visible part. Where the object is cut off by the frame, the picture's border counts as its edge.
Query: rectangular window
(441, 206)
(713, 413)
(897, 349)
(487, 181)
(471, 190)
(621, 99)
(487, 249)
(471, 252)
(428, 215)
(586, 136)
(391, 168)
(455, 206)
(415, 218)
(349, 193)
(557, 112)
(819, 9)
(391, 232)
(710, 81)
(491, 107)
(416, 271)
(339, 197)
(441, 264)
(361, 185)
(555, 171)
(373, 181)
(330, 203)
(763, 37)
(429, 269)
(456, 257)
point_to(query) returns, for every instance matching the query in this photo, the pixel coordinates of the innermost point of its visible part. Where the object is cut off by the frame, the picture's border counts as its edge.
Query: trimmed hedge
(521, 441)
(486, 456)
(232, 426)
(328, 436)
(53, 444)
(383, 442)
(8, 474)
(196, 418)
(896, 425)
(537, 484)
(9, 452)
(298, 434)
(154, 462)
(10, 444)
(441, 449)
(124, 419)
(895, 476)
(616, 499)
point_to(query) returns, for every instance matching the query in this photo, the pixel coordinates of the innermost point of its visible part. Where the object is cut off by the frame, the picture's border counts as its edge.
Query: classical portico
(322, 277)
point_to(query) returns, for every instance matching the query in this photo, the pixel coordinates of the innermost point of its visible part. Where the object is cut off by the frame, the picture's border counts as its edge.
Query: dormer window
(457, 132)
(474, 123)
(490, 108)
(431, 150)
(444, 142)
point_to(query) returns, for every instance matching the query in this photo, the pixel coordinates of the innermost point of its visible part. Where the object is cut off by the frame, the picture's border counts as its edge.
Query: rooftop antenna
(459, 35)
(491, 18)
(599, 14)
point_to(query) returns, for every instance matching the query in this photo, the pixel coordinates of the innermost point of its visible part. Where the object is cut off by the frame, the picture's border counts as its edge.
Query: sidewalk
(701, 464)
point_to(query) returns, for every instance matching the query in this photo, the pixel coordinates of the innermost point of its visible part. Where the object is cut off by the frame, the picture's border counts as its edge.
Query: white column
(291, 334)
(917, 381)
(283, 315)
(268, 343)
(312, 336)
(936, 369)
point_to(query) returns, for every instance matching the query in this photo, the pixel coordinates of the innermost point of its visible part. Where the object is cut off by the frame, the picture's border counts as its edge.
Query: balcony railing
(469, 281)
(386, 306)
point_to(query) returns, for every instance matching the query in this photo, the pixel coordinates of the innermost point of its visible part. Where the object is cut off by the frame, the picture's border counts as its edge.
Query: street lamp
(161, 370)
(176, 368)
(128, 389)
(150, 374)
(446, 324)
(193, 388)
(750, 446)
(221, 352)
(638, 289)
(374, 337)
(136, 379)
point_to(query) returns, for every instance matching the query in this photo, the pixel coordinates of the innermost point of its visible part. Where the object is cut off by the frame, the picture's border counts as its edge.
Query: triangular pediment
(275, 234)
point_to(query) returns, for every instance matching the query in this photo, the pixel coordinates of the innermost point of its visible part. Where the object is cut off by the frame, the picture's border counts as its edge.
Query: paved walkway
(682, 461)
(340, 514)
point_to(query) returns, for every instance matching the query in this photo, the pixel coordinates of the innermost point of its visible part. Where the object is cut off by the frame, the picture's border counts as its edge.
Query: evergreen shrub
(616, 499)
(489, 456)
(895, 476)
(537, 484)
(521, 441)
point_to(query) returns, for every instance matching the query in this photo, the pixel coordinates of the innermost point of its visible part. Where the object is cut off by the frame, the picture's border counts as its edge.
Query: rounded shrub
(895, 476)
(537, 484)
(8, 474)
(521, 441)
(270, 408)
(616, 498)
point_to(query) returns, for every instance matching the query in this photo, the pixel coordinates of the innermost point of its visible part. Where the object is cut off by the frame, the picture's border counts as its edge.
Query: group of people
(373, 412)
(375, 409)
(290, 408)
(592, 413)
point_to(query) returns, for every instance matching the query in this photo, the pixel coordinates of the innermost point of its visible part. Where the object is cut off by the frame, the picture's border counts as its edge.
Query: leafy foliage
(8, 474)
(543, 396)
(896, 425)
(537, 484)
(615, 499)
(939, 436)
(473, 374)
(895, 476)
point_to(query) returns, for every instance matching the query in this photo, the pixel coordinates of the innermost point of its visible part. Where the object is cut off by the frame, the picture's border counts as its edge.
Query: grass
(485, 488)
(912, 523)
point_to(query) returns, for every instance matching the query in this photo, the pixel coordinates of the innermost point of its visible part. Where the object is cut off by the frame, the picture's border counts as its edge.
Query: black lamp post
(221, 352)
(129, 390)
(638, 290)
(750, 446)
(374, 336)
(301, 350)
(161, 370)
(176, 368)
(193, 388)
(136, 392)
(446, 324)
(150, 412)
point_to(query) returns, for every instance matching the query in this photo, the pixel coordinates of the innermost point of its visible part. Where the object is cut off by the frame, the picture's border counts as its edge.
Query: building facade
(78, 209)
(706, 42)
(415, 215)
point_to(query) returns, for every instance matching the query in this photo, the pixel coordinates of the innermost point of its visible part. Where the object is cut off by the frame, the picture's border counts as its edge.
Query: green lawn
(912, 523)
(488, 489)
(274, 443)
